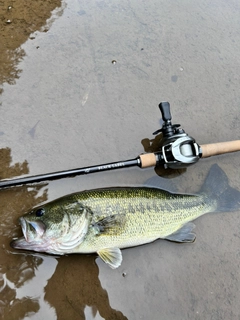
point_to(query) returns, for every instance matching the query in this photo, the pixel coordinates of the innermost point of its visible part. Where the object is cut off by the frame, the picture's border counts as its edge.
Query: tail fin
(216, 186)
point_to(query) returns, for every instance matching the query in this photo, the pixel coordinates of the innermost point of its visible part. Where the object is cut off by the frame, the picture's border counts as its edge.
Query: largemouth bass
(106, 220)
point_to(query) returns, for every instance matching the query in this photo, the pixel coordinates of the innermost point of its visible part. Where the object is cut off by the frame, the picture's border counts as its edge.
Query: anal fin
(111, 256)
(184, 234)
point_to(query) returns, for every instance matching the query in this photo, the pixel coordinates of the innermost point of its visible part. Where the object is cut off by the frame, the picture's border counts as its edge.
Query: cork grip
(148, 160)
(214, 149)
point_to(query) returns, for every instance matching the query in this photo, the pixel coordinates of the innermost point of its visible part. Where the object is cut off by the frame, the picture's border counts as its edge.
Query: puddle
(80, 86)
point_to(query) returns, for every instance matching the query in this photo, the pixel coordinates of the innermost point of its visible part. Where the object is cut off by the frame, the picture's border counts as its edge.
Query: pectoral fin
(111, 256)
(184, 234)
(109, 225)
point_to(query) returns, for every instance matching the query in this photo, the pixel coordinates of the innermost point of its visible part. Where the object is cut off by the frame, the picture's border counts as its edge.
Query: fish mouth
(32, 233)
(33, 228)
(23, 224)
(20, 243)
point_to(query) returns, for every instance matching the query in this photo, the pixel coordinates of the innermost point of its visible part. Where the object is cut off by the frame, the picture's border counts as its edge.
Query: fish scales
(149, 214)
(106, 220)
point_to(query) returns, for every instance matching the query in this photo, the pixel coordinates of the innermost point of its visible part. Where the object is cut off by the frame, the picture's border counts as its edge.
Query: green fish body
(106, 220)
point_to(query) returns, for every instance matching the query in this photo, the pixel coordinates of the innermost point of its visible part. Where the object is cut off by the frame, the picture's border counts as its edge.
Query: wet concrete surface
(65, 104)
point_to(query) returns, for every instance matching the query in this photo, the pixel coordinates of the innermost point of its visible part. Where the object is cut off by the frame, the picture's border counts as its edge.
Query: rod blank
(69, 173)
(142, 161)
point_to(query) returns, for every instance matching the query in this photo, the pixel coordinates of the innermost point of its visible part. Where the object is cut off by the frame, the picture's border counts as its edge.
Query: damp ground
(80, 85)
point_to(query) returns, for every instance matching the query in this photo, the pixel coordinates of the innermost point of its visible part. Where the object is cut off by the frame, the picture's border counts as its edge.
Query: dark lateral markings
(141, 208)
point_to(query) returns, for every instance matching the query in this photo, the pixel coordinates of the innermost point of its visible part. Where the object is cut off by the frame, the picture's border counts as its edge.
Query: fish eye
(40, 212)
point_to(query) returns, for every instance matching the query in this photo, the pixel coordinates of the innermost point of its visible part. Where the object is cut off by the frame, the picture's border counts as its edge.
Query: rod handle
(148, 160)
(214, 149)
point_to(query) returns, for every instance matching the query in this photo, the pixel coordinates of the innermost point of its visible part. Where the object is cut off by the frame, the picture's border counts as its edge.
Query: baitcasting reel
(178, 149)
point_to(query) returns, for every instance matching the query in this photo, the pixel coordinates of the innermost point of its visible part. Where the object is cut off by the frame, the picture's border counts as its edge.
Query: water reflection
(7, 169)
(13, 276)
(16, 269)
(25, 287)
(19, 20)
(76, 285)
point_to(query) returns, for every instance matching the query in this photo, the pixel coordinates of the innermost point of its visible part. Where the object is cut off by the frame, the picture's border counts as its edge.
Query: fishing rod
(177, 150)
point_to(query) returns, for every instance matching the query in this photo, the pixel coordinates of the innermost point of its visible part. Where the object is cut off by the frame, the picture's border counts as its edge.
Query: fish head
(56, 227)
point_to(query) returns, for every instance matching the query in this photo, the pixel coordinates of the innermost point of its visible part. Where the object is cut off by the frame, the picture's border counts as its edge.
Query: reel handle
(214, 149)
(165, 111)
